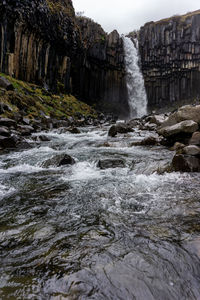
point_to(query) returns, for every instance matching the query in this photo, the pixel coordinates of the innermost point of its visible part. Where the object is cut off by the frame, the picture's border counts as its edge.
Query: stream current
(78, 232)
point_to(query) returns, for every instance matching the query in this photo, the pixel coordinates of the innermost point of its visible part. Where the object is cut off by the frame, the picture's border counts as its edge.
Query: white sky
(127, 15)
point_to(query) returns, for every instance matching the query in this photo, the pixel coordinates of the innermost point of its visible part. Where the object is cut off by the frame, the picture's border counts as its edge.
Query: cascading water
(137, 98)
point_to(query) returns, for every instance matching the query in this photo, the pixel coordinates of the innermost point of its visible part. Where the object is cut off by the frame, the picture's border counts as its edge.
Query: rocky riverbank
(26, 108)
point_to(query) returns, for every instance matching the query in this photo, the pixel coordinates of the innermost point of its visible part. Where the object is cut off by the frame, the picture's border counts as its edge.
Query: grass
(34, 101)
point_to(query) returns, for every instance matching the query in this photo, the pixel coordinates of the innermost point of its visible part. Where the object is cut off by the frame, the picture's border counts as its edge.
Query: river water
(79, 232)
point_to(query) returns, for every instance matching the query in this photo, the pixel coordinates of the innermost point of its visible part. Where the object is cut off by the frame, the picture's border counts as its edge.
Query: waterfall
(137, 98)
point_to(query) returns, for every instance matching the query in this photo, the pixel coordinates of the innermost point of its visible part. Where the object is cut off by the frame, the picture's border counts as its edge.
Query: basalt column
(170, 58)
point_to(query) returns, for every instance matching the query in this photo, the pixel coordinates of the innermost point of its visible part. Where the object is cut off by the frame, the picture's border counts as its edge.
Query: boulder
(186, 163)
(177, 146)
(7, 122)
(187, 112)
(190, 150)
(59, 160)
(8, 142)
(74, 130)
(111, 163)
(157, 119)
(5, 83)
(25, 130)
(195, 140)
(149, 141)
(120, 128)
(43, 138)
(4, 107)
(187, 127)
(4, 131)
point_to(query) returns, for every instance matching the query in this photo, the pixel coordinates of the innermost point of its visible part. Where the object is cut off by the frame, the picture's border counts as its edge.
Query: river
(79, 232)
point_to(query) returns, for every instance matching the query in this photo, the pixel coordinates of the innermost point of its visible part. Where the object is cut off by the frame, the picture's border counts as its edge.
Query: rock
(190, 150)
(4, 83)
(195, 140)
(185, 163)
(157, 119)
(8, 142)
(149, 126)
(187, 126)
(7, 122)
(26, 121)
(187, 112)
(43, 138)
(4, 107)
(4, 131)
(177, 146)
(74, 130)
(59, 160)
(111, 163)
(119, 128)
(106, 144)
(25, 130)
(149, 141)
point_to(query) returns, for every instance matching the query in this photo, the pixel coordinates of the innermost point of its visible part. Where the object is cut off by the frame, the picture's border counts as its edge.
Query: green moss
(32, 99)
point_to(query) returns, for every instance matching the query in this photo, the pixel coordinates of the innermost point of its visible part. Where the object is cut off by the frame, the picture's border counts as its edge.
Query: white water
(135, 83)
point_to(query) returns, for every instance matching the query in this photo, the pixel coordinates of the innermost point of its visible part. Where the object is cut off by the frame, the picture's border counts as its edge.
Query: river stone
(8, 142)
(195, 140)
(59, 160)
(187, 126)
(185, 163)
(149, 141)
(7, 122)
(187, 112)
(119, 128)
(191, 150)
(25, 129)
(177, 146)
(4, 132)
(111, 163)
(74, 130)
(157, 119)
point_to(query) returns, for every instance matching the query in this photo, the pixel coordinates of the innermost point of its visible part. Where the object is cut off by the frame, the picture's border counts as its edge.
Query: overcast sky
(126, 15)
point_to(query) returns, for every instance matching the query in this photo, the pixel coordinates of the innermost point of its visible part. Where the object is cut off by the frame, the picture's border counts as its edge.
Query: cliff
(101, 75)
(170, 59)
(44, 43)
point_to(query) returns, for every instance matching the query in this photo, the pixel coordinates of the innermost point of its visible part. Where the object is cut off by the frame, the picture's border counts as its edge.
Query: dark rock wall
(102, 73)
(38, 40)
(170, 58)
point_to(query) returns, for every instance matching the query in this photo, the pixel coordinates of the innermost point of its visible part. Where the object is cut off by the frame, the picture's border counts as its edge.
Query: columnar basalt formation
(170, 59)
(43, 42)
(102, 75)
(38, 40)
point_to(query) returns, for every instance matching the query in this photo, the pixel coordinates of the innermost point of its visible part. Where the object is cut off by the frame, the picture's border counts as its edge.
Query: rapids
(79, 232)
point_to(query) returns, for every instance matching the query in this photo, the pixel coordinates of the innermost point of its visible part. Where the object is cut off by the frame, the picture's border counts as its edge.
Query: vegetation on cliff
(34, 101)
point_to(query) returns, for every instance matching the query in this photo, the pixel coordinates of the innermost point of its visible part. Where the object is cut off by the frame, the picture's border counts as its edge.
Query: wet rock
(4, 132)
(25, 130)
(156, 119)
(185, 163)
(43, 138)
(74, 130)
(8, 142)
(187, 126)
(4, 83)
(190, 150)
(26, 121)
(134, 123)
(7, 122)
(177, 146)
(119, 128)
(59, 160)
(23, 144)
(106, 144)
(149, 141)
(195, 140)
(187, 112)
(111, 163)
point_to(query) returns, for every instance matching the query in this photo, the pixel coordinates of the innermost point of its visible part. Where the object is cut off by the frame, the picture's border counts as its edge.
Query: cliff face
(170, 59)
(101, 76)
(38, 40)
(42, 42)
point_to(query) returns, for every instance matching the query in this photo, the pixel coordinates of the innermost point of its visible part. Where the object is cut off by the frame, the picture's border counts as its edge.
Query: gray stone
(59, 160)
(111, 163)
(191, 150)
(5, 83)
(187, 126)
(195, 140)
(185, 163)
(7, 122)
